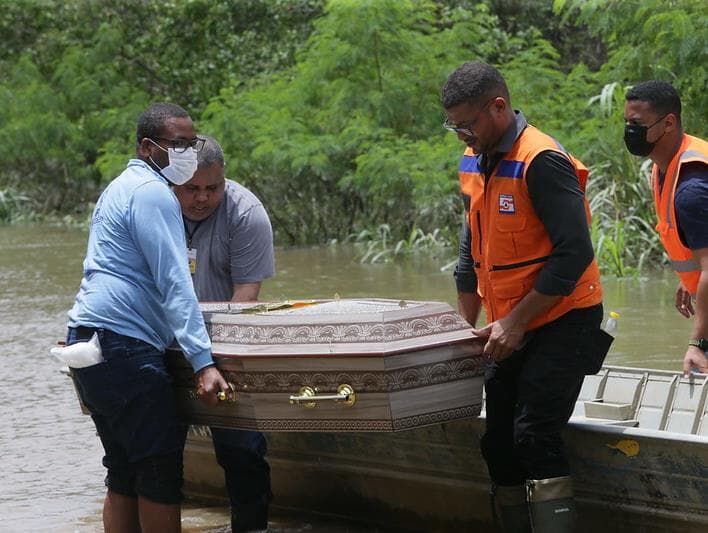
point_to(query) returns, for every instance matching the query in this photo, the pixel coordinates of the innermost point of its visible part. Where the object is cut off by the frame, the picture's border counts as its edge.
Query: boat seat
(617, 396)
(600, 409)
(654, 405)
(687, 406)
(592, 388)
(702, 428)
(632, 423)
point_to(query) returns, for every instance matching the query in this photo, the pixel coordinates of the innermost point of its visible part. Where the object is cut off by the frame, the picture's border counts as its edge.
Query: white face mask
(181, 167)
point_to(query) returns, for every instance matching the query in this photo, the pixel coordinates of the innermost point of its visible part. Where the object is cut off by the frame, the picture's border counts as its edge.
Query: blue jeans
(131, 401)
(242, 456)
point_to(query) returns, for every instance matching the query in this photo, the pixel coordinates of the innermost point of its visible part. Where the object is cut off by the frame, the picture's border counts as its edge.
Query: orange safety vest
(682, 261)
(509, 242)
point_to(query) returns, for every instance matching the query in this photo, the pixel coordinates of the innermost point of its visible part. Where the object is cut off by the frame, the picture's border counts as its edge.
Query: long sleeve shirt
(557, 199)
(136, 279)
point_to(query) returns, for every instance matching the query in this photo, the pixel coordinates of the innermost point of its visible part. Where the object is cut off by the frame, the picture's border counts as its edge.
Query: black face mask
(635, 138)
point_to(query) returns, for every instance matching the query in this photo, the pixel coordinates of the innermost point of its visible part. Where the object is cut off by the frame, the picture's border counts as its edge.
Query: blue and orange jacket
(509, 242)
(688, 270)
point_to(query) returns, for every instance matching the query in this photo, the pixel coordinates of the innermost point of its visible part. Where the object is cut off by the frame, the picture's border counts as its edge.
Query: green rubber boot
(551, 505)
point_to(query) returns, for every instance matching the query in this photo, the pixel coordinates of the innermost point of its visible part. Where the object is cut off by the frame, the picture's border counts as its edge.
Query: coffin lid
(322, 328)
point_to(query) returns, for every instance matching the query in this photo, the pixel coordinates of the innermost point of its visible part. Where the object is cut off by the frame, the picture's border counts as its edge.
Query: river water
(51, 478)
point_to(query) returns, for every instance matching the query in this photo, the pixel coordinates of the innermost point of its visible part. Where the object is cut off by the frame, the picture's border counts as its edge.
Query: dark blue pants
(531, 395)
(131, 401)
(242, 456)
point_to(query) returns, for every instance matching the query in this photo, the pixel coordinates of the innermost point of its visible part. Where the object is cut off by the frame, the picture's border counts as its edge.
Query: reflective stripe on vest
(685, 266)
(692, 149)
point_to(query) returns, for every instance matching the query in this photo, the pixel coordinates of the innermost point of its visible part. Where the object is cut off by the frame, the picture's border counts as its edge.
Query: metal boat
(637, 444)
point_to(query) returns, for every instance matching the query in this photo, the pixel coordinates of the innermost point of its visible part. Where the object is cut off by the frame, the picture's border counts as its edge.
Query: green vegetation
(15, 207)
(379, 246)
(329, 110)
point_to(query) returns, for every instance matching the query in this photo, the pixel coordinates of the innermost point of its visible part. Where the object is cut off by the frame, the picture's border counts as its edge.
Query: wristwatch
(700, 343)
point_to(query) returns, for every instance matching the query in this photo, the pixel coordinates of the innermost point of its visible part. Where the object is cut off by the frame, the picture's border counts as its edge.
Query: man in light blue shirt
(136, 294)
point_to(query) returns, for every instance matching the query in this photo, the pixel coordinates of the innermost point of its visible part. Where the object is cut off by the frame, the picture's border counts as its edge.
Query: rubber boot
(249, 517)
(510, 507)
(551, 505)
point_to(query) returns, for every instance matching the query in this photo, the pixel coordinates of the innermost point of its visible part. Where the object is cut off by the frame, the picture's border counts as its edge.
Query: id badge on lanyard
(191, 252)
(192, 260)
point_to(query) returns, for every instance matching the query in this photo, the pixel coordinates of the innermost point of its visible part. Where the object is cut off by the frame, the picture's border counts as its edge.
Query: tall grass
(379, 246)
(16, 207)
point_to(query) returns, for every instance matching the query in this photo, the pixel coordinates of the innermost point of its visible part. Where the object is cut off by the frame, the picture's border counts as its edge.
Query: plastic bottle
(611, 324)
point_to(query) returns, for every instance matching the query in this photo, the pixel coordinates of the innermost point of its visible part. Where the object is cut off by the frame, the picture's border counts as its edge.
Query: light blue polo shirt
(136, 280)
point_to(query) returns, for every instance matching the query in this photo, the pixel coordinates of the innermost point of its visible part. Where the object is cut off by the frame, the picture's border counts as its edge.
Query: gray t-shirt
(234, 245)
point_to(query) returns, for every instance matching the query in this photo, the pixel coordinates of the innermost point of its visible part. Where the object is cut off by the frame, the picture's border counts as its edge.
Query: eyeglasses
(180, 145)
(466, 129)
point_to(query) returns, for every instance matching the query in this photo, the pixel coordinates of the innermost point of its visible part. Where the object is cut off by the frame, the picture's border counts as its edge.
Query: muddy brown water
(51, 477)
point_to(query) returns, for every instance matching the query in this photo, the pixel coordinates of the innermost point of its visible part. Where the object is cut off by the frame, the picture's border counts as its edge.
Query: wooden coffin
(337, 365)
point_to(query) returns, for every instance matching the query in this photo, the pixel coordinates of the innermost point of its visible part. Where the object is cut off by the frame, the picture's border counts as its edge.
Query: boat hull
(434, 479)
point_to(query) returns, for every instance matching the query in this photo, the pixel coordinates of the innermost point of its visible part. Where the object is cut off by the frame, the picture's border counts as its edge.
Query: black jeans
(531, 395)
(242, 456)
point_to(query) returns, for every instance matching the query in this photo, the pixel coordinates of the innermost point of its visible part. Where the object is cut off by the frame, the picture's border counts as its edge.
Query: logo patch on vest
(506, 204)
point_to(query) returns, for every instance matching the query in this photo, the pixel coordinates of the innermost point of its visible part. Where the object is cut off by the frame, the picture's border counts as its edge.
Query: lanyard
(190, 234)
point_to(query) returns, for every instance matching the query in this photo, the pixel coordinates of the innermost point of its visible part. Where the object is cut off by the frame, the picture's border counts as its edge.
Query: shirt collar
(512, 133)
(140, 163)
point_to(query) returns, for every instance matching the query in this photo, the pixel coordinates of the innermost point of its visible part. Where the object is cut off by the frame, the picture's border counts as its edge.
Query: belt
(83, 331)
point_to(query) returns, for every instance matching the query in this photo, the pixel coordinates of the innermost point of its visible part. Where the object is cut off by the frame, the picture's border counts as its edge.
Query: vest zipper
(521, 264)
(479, 231)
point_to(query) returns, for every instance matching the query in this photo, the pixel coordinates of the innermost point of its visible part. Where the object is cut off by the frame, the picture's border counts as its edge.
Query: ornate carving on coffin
(434, 373)
(324, 425)
(267, 424)
(315, 424)
(428, 419)
(390, 381)
(210, 419)
(340, 333)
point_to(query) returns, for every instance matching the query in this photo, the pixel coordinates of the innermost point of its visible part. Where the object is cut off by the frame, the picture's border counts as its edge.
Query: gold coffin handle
(222, 395)
(306, 396)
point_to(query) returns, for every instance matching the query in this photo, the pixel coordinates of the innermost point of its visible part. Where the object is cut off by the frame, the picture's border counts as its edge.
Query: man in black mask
(652, 115)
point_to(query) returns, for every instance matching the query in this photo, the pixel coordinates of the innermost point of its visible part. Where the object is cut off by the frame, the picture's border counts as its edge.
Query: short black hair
(153, 119)
(471, 82)
(661, 96)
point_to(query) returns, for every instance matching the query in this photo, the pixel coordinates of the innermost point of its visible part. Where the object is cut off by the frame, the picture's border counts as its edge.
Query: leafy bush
(329, 110)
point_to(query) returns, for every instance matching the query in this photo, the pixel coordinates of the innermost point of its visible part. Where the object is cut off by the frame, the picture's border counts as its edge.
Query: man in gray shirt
(230, 252)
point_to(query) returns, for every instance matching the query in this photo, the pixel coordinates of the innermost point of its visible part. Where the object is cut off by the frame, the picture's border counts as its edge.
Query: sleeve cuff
(551, 286)
(201, 360)
(465, 281)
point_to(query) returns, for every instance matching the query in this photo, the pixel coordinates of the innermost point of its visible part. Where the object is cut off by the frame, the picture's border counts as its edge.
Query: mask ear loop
(654, 124)
(157, 167)
(156, 144)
